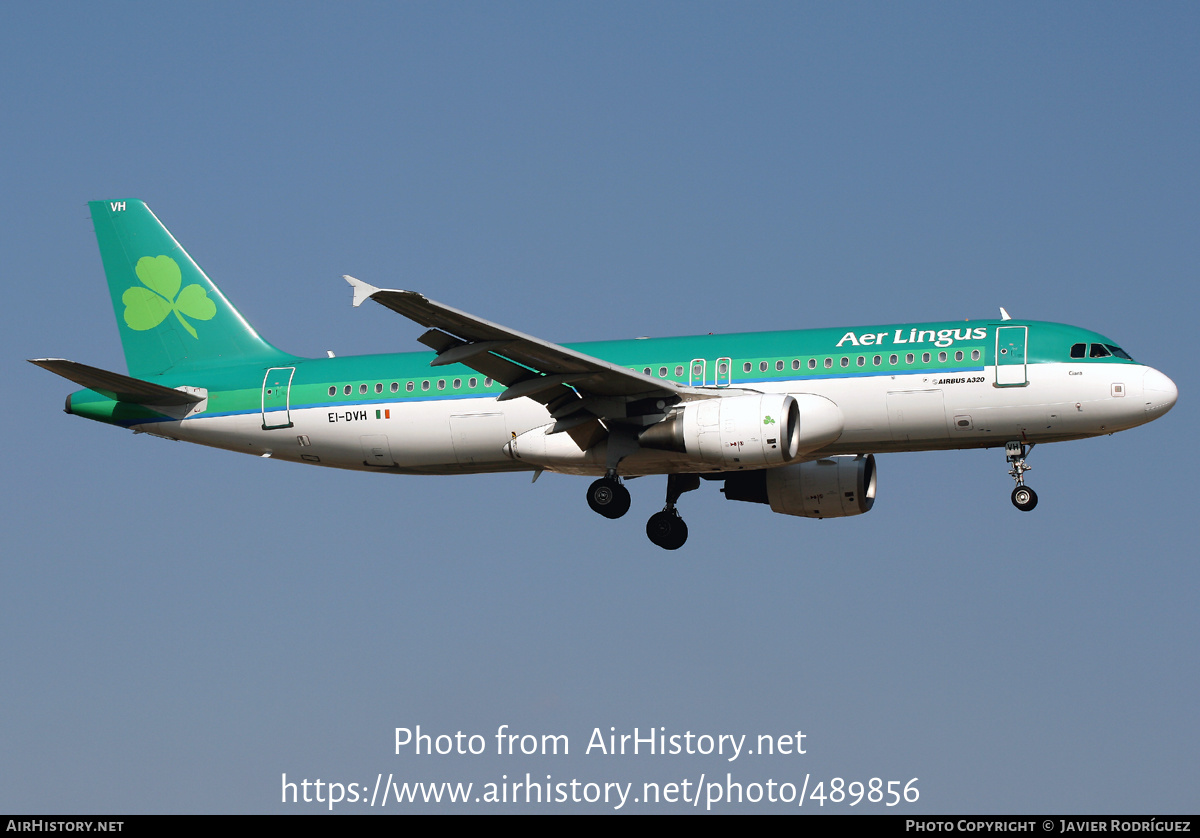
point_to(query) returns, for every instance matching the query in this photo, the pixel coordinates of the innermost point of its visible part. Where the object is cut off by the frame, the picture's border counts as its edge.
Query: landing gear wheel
(608, 497)
(1024, 498)
(1015, 451)
(667, 529)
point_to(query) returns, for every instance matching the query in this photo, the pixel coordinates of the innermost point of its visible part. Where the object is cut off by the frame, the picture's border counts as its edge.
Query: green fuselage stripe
(804, 355)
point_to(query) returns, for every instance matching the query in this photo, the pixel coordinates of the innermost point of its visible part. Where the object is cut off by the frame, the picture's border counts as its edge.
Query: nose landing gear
(1023, 497)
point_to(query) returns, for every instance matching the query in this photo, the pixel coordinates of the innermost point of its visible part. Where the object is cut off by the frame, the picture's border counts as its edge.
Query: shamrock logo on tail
(146, 307)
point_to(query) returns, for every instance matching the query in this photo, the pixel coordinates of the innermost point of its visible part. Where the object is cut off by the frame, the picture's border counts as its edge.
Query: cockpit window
(1099, 350)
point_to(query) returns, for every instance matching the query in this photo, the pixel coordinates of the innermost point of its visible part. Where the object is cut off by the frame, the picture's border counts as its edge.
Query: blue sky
(182, 626)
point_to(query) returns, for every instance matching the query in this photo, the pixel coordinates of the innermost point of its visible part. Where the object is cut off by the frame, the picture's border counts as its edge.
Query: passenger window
(796, 364)
(746, 367)
(942, 356)
(474, 382)
(845, 362)
(395, 386)
(861, 360)
(895, 359)
(828, 363)
(1079, 350)
(679, 371)
(762, 366)
(346, 389)
(333, 391)
(409, 386)
(487, 382)
(1099, 351)
(925, 358)
(974, 354)
(958, 356)
(779, 366)
(877, 360)
(362, 388)
(457, 383)
(441, 384)
(425, 385)
(662, 372)
(812, 363)
(378, 388)
(646, 371)
(908, 359)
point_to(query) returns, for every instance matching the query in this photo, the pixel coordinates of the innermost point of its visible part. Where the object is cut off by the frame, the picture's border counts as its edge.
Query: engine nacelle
(834, 487)
(766, 429)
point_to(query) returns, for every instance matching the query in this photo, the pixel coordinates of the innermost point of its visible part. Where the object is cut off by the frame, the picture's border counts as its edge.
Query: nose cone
(1160, 393)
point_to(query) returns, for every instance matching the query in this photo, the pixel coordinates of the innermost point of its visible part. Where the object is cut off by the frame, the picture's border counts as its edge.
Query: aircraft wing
(568, 382)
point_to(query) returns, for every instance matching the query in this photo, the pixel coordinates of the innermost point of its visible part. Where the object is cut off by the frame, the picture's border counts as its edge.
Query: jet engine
(833, 487)
(747, 431)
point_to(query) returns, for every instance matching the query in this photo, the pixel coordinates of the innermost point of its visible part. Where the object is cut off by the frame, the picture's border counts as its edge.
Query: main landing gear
(1023, 497)
(666, 529)
(608, 497)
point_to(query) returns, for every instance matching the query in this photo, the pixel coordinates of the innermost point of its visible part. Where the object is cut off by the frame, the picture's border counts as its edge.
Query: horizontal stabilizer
(122, 388)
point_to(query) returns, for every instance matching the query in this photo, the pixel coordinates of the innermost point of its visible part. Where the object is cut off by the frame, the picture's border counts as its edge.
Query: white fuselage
(903, 412)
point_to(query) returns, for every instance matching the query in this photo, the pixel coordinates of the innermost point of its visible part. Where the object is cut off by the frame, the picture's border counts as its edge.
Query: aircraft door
(1011, 342)
(724, 372)
(276, 396)
(696, 372)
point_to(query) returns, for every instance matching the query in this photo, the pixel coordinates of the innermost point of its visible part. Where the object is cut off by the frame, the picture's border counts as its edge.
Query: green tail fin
(170, 314)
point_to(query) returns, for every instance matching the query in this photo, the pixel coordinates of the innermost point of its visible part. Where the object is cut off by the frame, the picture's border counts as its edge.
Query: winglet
(362, 290)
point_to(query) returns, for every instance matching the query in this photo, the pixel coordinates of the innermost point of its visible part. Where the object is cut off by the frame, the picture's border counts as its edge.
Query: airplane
(791, 419)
